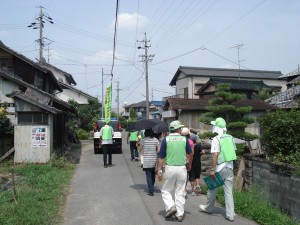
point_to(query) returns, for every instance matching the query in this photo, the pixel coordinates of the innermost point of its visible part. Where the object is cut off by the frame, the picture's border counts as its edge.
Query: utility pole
(40, 24)
(146, 58)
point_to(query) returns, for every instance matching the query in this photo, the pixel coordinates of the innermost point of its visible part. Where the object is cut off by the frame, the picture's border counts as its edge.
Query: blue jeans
(133, 150)
(150, 176)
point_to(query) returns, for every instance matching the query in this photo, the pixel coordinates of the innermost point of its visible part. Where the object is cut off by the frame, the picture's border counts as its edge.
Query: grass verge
(251, 204)
(40, 190)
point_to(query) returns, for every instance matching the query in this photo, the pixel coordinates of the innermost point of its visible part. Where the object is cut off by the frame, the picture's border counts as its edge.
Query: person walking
(132, 140)
(173, 151)
(150, 146)
(223, 152)
(194, 173)
(106, 135)
(186, 133)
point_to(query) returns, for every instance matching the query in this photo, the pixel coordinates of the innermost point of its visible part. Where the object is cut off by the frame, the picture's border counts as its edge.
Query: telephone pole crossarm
(146, 58)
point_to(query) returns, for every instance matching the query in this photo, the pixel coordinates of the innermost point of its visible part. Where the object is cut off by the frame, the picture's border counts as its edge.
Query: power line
(215, 37)
(40, 25)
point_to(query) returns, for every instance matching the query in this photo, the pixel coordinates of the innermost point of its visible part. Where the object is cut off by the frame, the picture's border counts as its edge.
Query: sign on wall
(39, 137)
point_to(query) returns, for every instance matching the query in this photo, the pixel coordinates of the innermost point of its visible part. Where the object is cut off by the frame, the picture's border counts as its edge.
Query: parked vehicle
(117, 138)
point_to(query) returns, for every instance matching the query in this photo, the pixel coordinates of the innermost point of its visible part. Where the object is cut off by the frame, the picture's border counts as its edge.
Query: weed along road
(118, 195)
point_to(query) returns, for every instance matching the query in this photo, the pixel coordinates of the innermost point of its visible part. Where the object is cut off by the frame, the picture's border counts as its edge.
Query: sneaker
(203, 209)
(230, 219)
(171, 212)
(193, 193)
(199, 190)
(185, 195)
(179, 218)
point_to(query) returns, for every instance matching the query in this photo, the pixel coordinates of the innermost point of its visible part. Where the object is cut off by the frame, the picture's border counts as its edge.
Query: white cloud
(102, 56)
(130, 21)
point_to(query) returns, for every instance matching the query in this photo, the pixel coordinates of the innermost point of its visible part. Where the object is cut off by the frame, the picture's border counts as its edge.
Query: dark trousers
(150, 177)
(133, 150)
(106, 152)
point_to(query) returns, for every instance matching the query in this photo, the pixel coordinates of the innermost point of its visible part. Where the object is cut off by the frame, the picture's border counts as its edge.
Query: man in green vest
(223, 153)
(106, 135)
(132, 140)
(173, 152)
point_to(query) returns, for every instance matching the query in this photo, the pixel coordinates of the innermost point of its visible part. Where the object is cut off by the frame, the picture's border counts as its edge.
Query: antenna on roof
(238, 46)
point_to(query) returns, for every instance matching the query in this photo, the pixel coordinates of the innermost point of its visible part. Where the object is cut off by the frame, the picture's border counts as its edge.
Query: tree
(222, 106)
(263, 94)
(6, 127)
(132, 114)
(280, 138)
(87, 113)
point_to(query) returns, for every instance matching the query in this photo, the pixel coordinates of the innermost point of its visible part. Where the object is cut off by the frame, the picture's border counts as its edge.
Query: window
(32, 118)
(6, 64)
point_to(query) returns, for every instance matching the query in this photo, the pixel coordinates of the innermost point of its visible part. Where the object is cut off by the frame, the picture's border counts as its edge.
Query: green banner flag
(107, 103)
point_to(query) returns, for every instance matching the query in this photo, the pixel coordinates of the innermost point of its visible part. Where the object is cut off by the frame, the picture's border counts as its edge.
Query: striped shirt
(150, 154)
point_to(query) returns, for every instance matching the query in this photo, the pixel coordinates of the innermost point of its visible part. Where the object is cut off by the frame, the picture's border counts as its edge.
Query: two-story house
(196, 85)
(39, 117)
(68, 84)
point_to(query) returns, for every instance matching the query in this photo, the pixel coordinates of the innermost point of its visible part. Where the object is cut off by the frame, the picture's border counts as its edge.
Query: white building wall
(68, 94)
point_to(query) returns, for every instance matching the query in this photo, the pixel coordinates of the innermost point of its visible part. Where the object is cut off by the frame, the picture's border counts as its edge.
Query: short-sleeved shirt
(215, 147)
(163, 147)
(150, 154)
(197, 155)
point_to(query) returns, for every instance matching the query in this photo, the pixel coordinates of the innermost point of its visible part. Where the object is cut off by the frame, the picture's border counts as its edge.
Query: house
(246, 87)
(189, 111)
(68, 84)
(39, 117)
(155, 108)
(290, 98)
(188, 80)
(196, 85)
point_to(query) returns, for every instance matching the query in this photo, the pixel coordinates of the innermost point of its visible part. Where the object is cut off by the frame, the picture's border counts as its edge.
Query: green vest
(176, 150)
(106, 133)
(227, 148)
(133, 136)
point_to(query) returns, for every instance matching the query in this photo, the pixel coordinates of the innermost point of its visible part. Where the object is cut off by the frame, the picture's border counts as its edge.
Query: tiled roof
(27, 98)
(295, 72)
(136, 105)
(32, 63)
(157, 103)
(285, 99)
(225, 73)
(66, 86)
(245, 85)
(186, 104)
(68, 76)
(201, 104)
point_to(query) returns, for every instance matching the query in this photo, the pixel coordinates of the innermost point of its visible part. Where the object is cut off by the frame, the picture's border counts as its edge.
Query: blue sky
(181, 33)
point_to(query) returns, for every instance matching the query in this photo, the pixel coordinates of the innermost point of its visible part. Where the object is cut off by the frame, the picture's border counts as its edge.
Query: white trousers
(227, 175)
(174, 183)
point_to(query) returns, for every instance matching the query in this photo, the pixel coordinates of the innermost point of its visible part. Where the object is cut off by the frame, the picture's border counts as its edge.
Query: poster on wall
(39, 137)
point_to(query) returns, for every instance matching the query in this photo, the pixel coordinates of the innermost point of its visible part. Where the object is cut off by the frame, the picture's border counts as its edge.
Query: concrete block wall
(279, 183)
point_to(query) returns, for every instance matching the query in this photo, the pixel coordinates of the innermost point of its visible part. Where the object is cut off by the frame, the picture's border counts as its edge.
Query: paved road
(118, 195)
